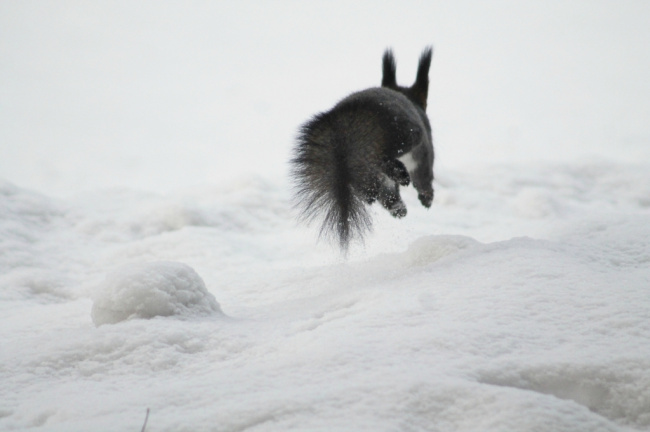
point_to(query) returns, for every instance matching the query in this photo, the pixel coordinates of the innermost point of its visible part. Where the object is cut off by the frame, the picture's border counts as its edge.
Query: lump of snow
(153, 289)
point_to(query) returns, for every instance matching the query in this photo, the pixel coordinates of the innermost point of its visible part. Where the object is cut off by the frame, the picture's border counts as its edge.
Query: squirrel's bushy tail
(325, 185)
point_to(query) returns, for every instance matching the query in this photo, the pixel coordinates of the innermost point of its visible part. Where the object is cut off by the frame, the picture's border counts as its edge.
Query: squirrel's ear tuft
(389, 79)
(420, 88)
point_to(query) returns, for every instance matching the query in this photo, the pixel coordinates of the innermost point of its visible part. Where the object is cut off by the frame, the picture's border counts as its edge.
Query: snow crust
(149, 290)
(533, 314)
(150, 258)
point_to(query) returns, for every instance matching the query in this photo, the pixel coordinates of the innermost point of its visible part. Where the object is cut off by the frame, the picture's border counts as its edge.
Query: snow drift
(417, 331)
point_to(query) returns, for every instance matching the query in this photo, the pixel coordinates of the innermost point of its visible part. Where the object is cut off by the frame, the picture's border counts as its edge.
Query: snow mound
(161, 288)
(428, 249)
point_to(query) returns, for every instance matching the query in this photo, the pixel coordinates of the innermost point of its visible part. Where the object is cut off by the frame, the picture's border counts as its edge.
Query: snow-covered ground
(150, 258)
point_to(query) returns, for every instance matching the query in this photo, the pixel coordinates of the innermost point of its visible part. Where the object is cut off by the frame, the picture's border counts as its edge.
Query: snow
(150, 257)
(149, 290)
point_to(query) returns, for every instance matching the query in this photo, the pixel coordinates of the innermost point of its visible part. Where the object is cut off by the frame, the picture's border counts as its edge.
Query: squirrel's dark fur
(361, 151)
